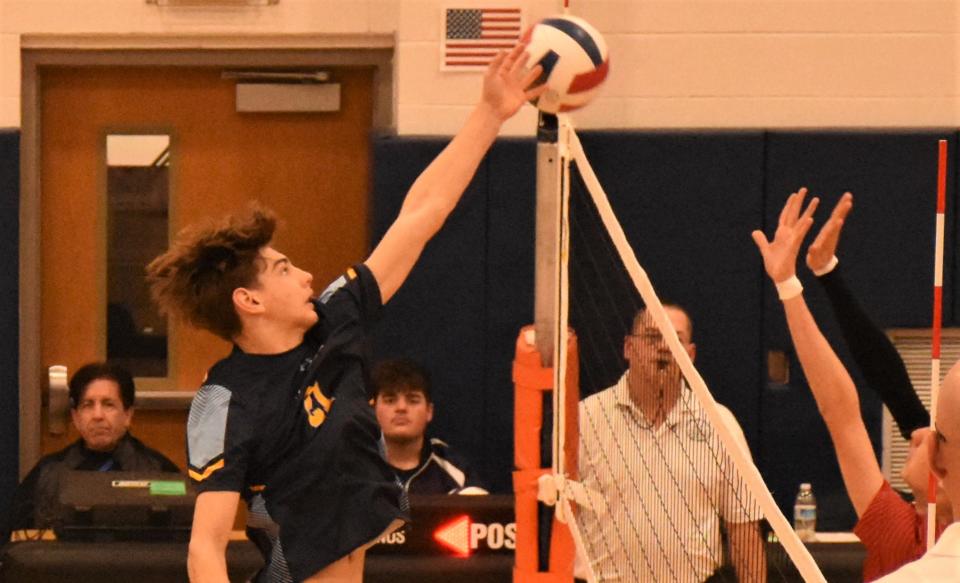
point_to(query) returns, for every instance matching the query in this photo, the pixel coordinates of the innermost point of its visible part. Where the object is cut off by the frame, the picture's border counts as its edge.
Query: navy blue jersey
(294, 434)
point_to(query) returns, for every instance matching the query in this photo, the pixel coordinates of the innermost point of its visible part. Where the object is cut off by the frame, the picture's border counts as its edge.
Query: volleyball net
(649, 479)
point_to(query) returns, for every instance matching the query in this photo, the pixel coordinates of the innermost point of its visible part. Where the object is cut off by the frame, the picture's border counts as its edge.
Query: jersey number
(317, 405)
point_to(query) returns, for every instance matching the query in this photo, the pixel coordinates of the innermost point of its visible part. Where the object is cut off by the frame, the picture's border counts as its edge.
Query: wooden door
(311, 168)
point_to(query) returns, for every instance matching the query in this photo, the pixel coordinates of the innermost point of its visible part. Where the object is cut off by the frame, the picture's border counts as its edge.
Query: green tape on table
(168, 488)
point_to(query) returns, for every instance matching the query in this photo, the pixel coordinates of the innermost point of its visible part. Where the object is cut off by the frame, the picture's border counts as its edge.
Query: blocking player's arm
(829, 381)
(837, 399)
(437, 190)
(747, 552)
(213, 518)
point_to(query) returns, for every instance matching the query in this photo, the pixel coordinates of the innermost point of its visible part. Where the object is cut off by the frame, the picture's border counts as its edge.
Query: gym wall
(696, 63)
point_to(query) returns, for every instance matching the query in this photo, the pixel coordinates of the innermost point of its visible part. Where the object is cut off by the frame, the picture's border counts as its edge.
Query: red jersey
(892, 532)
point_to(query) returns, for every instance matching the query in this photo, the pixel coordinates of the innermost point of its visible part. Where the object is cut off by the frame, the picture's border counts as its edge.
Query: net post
(547, 236)
(531, 379)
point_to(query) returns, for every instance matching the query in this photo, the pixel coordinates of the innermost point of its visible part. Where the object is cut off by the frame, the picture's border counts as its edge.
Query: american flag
(473, 36)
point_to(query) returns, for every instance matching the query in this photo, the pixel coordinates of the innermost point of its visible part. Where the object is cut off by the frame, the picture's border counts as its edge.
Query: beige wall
(675, 63)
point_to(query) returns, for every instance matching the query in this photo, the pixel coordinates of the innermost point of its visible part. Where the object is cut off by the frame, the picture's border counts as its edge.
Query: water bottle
(805, 514)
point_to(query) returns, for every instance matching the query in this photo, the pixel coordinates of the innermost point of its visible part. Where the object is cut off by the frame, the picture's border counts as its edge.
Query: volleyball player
(283, 421)
(893, 531)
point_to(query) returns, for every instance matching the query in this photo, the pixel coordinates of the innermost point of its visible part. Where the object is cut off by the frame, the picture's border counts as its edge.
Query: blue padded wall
(687, 203)
(509, 288)
(677, 211)
(9, 319)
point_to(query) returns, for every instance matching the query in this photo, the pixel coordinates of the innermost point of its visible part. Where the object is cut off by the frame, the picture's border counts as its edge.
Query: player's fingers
(497, 61)
(519, 64)
(534, 93)
(843, 207)
(761, 241)
(797, 206)
(511, 58)
(532, 75)
(803, 227)
(811, 208)
(786, 209)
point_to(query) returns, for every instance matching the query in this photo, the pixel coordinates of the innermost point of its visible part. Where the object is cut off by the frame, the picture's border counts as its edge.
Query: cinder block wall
(676, 63)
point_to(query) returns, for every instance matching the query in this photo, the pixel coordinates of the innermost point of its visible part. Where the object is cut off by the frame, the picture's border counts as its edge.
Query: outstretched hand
(825, 245)
(507, 82)
(780, 254)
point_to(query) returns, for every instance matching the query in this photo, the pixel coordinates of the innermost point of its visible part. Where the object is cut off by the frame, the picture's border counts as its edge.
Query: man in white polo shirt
(647, 446)
(941, 563)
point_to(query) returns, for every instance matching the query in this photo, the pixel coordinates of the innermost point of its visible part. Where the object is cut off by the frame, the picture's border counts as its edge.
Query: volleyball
(574, 58)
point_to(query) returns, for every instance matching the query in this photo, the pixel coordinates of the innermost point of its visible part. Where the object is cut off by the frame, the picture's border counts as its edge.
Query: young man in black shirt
(284, 421)
(404, 407)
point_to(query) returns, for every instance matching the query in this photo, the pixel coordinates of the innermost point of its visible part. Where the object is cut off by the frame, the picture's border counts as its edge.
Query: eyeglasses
(652, 337)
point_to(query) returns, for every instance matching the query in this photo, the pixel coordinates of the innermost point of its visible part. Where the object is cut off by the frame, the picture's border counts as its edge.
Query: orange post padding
(525, 491)
(531, 380)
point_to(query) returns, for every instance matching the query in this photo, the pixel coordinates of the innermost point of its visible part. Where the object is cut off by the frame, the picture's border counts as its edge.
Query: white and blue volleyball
(574, 58)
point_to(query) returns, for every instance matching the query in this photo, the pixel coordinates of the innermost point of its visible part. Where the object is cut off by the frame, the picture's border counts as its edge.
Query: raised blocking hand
(780, 254)
(825, 245)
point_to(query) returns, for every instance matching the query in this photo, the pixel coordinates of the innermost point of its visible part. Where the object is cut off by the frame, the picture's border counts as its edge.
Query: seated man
(101, 405)
(404, 409)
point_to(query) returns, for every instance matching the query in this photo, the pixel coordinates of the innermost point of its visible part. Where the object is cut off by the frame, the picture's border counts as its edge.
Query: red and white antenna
(935, 340)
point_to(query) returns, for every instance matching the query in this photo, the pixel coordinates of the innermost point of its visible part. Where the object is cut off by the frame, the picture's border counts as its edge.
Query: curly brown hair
(195, 279)
(400, 375)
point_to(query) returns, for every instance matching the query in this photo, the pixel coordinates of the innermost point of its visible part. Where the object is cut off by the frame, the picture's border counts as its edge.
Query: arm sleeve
(219, 440)
(876, 357)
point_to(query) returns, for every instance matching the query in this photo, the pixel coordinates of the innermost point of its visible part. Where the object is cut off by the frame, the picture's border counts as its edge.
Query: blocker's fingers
(803, 227)
(797, 205)
(843, 207)
(785, 211)
(811, 208)
(761, 241)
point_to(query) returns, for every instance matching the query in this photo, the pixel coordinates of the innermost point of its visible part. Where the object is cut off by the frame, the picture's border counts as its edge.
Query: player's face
(285, 290)
(403, 415)
(648, 353)
(100, 417)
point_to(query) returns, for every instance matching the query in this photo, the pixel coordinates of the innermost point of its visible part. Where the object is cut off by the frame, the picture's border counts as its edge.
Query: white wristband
(789, 288)
(830, 266)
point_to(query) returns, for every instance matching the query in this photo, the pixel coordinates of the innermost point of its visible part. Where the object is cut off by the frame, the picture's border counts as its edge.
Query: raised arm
(436, 192)
(878, 359)
(213, 518)
(829, 381)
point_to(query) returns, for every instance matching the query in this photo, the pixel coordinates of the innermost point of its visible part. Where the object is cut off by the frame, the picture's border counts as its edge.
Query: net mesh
(665, 499)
